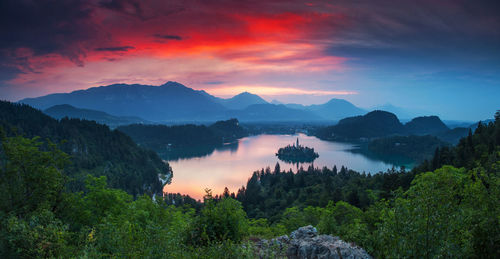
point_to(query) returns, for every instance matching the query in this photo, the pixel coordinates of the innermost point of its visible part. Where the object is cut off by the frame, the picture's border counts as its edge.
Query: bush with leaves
(31, 187)
(219, 221)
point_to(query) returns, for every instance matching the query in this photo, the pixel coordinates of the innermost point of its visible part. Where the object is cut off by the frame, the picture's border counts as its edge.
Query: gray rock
(306, 243)
(304, 232)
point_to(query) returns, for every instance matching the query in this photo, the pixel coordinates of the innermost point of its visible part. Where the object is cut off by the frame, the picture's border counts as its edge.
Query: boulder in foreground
(306, 243)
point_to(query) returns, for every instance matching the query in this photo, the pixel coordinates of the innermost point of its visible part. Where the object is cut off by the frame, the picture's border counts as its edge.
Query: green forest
(75, 189)
(160, 137)
(92, 148)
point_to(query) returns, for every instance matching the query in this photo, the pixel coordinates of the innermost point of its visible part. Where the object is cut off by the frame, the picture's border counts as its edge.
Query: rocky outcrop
(306, 243)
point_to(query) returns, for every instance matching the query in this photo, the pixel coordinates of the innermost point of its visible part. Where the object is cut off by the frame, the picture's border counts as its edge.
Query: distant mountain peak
(245, 93)
(173, 84)
(242, 101)
(336, 100)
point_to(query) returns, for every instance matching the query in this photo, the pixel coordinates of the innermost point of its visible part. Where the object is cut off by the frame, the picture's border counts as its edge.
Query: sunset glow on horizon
(292, 51)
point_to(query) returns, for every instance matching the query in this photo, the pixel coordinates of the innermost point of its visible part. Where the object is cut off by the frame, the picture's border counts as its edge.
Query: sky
(440, 56)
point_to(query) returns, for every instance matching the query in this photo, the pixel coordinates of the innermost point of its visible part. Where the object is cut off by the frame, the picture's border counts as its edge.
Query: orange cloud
(191, 44)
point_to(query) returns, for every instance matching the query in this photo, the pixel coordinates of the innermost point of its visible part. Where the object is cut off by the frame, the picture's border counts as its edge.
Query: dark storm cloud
(406, 28)
(42, 27)
(144, 9)
(117, 48)
(362, 29)
(131, 7)
(168, 37)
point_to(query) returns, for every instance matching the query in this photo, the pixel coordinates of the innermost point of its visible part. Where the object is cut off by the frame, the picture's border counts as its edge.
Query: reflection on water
(231, 165)
(175, 154)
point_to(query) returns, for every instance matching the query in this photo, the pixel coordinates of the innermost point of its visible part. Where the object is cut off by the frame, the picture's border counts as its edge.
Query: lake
(231, 165)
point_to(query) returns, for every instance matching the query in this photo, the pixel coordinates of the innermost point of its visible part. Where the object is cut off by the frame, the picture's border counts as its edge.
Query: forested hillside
(66, 110)
(371, 125)
(162, 137)
(268, 193)
(380, 124)
(93, 149)
(446, 207)
(418, 148)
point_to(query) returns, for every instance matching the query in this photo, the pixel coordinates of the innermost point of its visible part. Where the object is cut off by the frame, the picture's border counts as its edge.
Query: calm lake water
(232, 165)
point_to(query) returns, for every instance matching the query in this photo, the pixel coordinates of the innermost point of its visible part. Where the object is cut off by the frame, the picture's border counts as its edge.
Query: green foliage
(184, 141)
(294, 217)
(339, 218)
(144, 229)
(261, 228)
(228, 130)
(30, 179)
(449, 211)
(220, 220)
(480, 148)
(31, 185)
(39, 236)
(417, 148)
(160, 137)
(425, 221)
(98, 202)
(93, 149)
(439, 216)
(268, 194)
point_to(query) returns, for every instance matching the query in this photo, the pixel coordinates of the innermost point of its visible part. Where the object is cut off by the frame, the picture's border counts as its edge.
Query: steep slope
(242, 101)
(426, 125)
(94, 149)
(65, 110)
(161, 137)
(454, 135)
(168, 102)
(418, 148)
(185, 141)
(371, 125)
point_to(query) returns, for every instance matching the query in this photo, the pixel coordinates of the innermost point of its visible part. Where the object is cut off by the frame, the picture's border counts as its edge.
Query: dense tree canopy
(93, 148)
(445, 208)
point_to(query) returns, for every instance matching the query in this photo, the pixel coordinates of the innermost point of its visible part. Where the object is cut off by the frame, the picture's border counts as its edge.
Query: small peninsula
(297, 154)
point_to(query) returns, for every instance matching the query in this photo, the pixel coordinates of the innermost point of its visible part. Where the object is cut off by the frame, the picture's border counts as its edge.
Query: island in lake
(297, 154)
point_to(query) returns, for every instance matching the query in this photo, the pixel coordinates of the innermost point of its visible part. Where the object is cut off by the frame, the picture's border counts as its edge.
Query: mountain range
(174, 102)
(241, 101)
(169, 102)
(65, 110)
(379, 124)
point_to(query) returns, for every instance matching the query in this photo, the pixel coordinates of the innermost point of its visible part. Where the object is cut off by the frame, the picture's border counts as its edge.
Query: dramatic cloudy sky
(432, 55)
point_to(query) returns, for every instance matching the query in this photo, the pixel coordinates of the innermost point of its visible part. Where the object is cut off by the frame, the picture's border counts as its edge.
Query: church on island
(297, 154)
